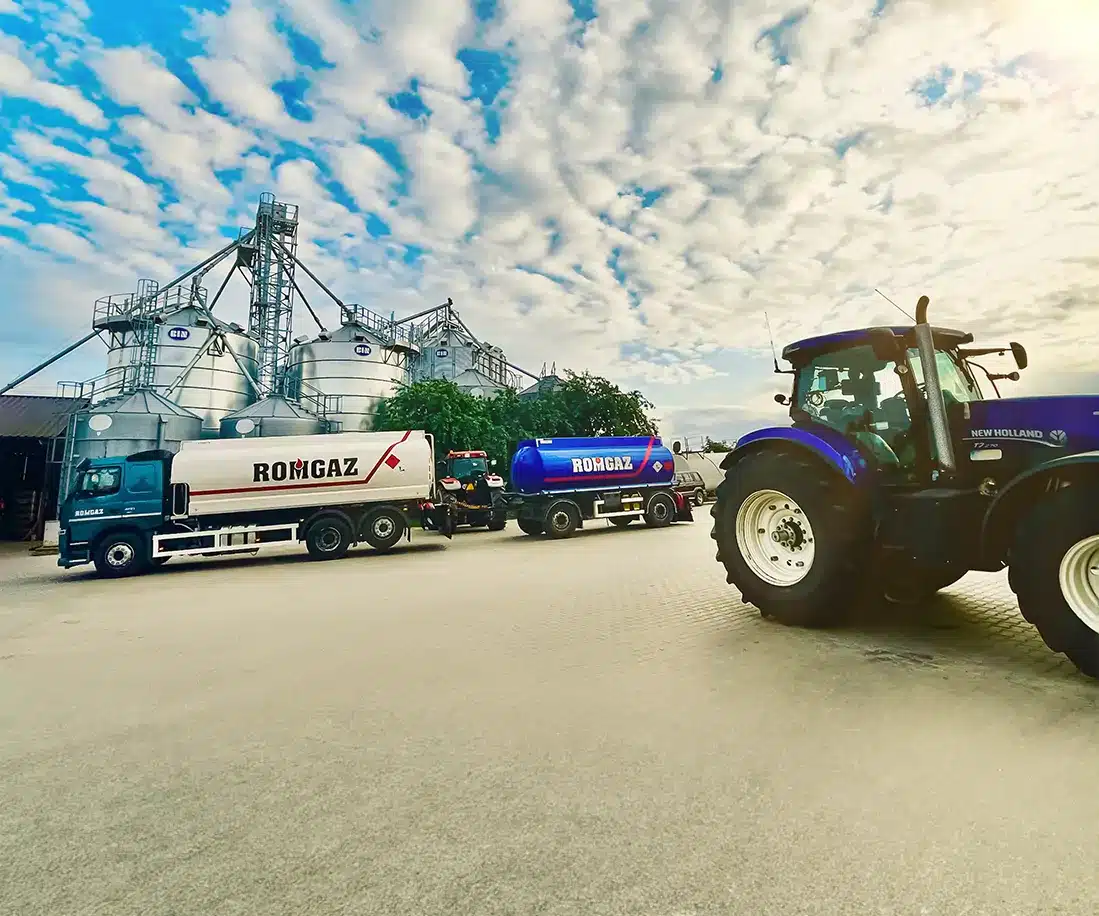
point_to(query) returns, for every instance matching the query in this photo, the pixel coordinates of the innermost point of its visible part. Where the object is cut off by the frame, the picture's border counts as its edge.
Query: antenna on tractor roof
(774, 353)
(894, 304)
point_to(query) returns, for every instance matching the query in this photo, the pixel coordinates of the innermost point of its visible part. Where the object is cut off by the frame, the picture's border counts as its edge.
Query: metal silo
(193, 366)
(273, 416)
(353, 364)
(127, 424)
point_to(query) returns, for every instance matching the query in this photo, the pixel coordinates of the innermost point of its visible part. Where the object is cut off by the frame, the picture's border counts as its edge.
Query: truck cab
(112, 494)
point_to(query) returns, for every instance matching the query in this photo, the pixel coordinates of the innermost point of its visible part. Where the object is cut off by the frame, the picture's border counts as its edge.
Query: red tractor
(477, 493)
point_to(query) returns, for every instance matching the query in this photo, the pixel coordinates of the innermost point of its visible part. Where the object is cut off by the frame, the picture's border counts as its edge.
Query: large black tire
(383, 529)
(562, 519)
(498, 522)
(840, 536)
(530, 526)
(328, 538)
(700, 497)
(660, 511)
(908, 583)
(1044, 536)
(120, 555)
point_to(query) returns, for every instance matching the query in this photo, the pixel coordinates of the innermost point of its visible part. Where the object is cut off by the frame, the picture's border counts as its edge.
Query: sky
(631, 187)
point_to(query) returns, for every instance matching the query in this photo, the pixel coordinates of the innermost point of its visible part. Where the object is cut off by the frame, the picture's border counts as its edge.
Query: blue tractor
(898, 476)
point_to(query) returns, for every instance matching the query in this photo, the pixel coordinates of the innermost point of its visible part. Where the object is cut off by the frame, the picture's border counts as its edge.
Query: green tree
(582, 405)
(716, 445)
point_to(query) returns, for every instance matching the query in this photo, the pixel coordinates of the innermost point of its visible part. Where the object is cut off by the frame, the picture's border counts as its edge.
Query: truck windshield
(463, 468)
(99, 482)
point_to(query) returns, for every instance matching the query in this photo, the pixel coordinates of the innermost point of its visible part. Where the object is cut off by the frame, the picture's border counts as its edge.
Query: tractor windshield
(956, 384)
(465, 468)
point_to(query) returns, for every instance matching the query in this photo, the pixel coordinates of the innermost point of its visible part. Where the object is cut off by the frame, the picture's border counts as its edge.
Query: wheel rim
(659, 509)
(775, 538)
(328, 539)
(561, 520)
(1079, 579)
(383, 527)
(119, 555)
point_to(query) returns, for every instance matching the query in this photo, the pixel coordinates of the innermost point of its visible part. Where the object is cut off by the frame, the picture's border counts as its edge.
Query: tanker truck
(229, 496)
(558, 484)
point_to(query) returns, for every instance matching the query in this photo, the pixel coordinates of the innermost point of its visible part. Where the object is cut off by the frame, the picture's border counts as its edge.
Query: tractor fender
(998, 525)
(831, 447)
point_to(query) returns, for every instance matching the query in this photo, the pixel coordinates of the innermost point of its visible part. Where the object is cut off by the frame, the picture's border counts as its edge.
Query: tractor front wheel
(1055, 573)
(792, 537)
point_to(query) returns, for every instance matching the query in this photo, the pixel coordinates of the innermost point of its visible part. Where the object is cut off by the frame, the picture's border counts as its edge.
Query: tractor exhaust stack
(936, 407)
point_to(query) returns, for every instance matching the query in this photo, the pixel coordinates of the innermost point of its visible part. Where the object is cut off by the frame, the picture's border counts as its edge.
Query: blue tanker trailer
(558, 484)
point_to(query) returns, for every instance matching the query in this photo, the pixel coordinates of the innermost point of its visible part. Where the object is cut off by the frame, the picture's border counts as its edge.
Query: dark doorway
(32, 448)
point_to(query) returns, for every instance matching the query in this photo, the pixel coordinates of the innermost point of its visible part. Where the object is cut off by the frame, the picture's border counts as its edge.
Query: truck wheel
(119, 555)
(498, 522)
(660, 512)
(529, 525)
(1055, 573)
(791, 537)
(562, 519)
(622, 521)
(383, 529)
(328, 538)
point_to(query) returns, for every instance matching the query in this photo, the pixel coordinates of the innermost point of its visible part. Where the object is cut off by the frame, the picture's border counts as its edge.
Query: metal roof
(26, 416)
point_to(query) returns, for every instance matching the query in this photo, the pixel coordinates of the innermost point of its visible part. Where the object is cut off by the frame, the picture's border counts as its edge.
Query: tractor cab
(870, 387)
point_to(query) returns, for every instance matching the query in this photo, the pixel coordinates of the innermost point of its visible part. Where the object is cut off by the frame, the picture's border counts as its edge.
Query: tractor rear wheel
(1055, 573)
(793, 537)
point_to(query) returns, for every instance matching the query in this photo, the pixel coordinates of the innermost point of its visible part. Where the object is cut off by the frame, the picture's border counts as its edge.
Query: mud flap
(683, 512)
(442, 519)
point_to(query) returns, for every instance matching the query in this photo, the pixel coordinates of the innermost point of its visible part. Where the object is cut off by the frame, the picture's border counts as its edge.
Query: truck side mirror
(1019, 352)
(181, 499)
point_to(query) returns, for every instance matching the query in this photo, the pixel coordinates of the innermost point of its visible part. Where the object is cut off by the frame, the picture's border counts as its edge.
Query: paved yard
(507, 725)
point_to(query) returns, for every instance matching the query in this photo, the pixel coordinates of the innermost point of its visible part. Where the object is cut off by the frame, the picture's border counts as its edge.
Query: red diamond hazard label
(392, 461)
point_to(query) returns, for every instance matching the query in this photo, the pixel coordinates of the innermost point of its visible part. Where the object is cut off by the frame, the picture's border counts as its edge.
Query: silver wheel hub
(1079, 580)
(329, 539)
(775, 538)
(383, 527)
(561, 520)
(120, 555)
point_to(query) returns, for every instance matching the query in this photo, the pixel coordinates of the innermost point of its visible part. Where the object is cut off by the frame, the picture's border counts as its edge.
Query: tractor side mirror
(886, 345)
(1019, 352)
(782, 399)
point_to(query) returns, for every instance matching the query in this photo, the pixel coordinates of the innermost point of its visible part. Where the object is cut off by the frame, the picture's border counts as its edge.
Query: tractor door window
(100, 482)
(857, 394)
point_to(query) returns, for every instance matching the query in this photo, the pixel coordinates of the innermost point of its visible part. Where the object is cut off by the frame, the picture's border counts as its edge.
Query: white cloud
(984, 199)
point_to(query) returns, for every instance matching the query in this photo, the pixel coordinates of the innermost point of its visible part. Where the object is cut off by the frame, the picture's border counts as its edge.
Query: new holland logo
(602, 463)
(317, 469)
(1054, 438)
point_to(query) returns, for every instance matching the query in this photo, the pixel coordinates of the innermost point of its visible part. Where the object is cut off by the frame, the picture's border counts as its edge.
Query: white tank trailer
(222, 496)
